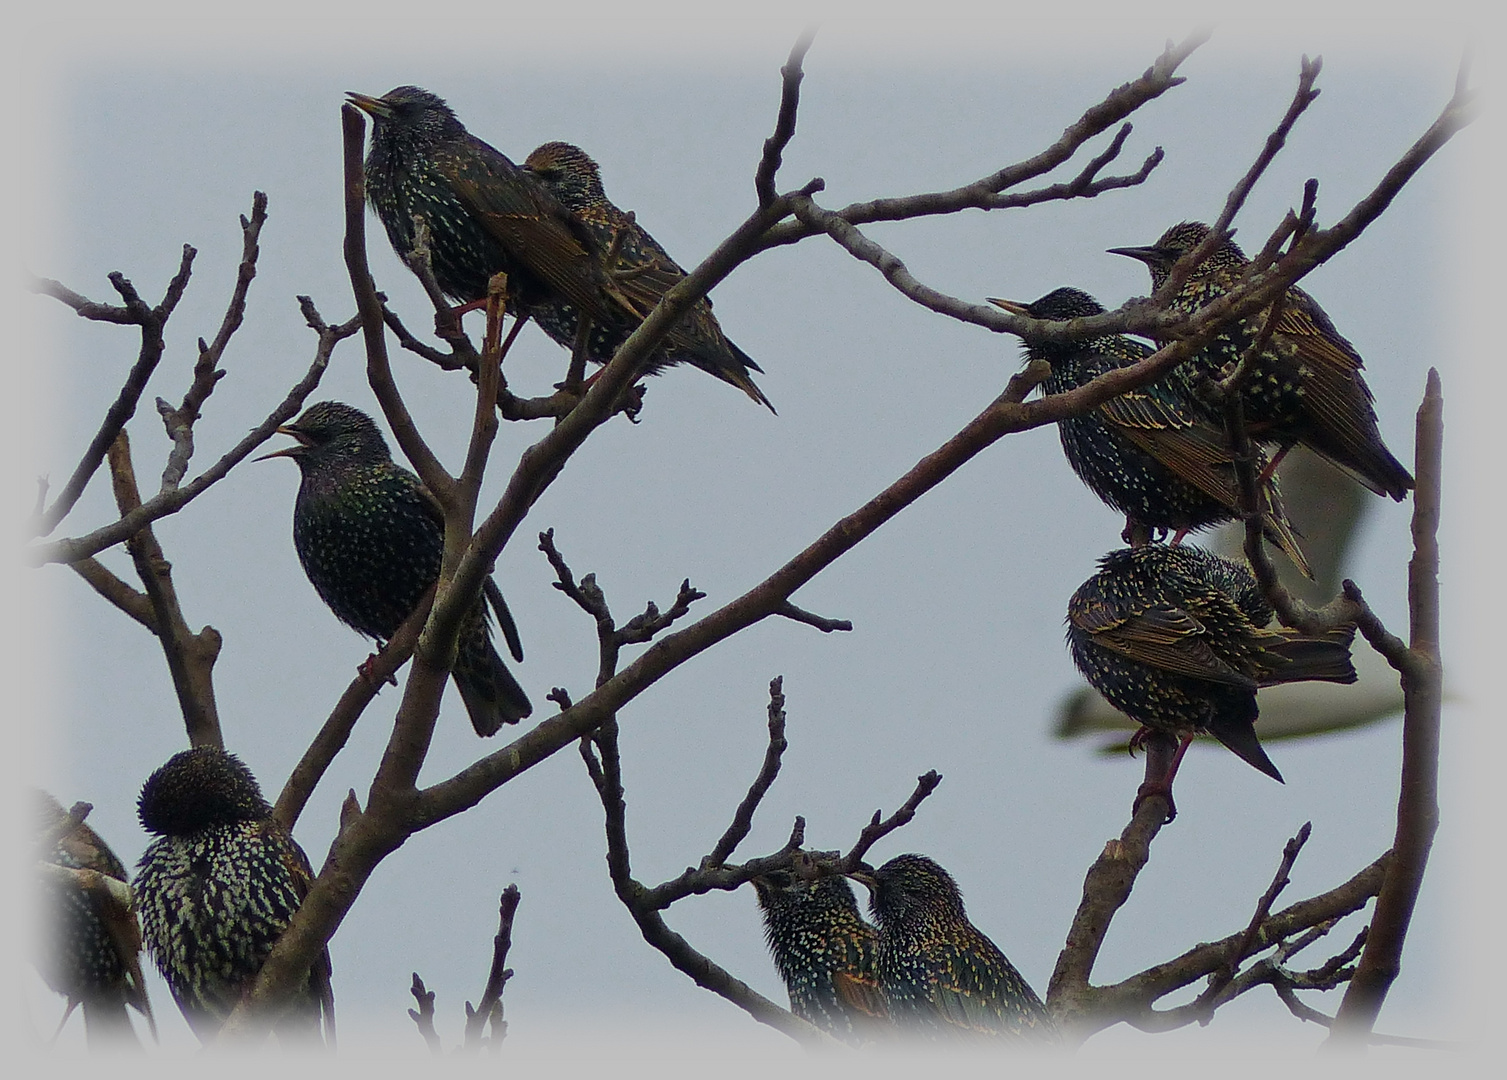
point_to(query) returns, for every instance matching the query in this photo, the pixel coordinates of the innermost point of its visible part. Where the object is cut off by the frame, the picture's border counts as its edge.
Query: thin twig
(490, 1008)
(877, 828)
(424, 1015)
(743, 818)
(784, 126)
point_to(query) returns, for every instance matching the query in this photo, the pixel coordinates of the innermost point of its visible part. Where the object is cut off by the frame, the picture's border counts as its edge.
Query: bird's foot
(364, 669)
(1135, 534)
(1177, 537)
(1155, 789)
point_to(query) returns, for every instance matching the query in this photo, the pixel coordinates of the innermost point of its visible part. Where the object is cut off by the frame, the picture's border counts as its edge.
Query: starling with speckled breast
(1149, 453)
(642, 268)
(824, 952)
(371, 538)
(216, 889)
(940, 975)
(91, 946)
(1175, 637)
(1305, 386)
(483, 213)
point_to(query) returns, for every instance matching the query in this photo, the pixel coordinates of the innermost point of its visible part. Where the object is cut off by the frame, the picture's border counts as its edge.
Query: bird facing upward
(940, 975)
(371, 537)
(641, 268)
(1149, 453)
(217, 888)
(1305, 386)
(824, 952)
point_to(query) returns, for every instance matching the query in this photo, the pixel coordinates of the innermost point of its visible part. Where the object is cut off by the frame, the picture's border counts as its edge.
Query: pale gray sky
(956, 661)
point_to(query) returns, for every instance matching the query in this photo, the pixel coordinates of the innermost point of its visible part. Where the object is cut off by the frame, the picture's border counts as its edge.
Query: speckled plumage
(371, 537)
(1175, 638)
(1150, 453)
(216, 889)
(941, 976)
(1305, 386)
(643, 269)
(91, 945)
(824, 952)
(485, 215)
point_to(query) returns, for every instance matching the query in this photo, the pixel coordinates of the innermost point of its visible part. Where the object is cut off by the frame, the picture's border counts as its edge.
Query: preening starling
(484, 214)
(1174, 637)
(1305, 386)
(825, 952)
(371, 537)
(641, 268)
(939, 974)
(91, 945)
(216, 889)
(1151, 453)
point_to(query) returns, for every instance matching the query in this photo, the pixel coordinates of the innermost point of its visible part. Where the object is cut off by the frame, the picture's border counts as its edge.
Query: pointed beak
(1011, 306)
(865, 877)
(1144, 254)
(288, 451)
(371, 105)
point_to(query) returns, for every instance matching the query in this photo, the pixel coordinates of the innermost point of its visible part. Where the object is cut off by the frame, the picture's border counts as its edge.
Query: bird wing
(302, 874)
(861, 993)
(1162, 636)
(505, 621)
(976, 989)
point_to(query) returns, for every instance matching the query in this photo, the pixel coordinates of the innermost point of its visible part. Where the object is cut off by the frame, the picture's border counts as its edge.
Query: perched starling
(371, 536)
(938, 973)
(641, 268)
(824, 952)
(216, 890)
(90, 952)
(1150, 453)
(1305, 386)
(484, 214)
(1174, 637)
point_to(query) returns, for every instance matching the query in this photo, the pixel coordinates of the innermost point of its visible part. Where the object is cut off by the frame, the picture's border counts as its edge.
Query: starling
(484, 214)
(1174, 637)
(938, 973)
(1150, 453)
(824, 952)
(1305, 386)
(91, 951)
(216, 890)
(641, 268)
(371, 536)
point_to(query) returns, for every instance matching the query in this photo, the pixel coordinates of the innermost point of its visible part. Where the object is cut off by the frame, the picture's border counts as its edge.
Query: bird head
(911, 887)
(409, 110)
(197, 789)
(569, 173)
(332, 431)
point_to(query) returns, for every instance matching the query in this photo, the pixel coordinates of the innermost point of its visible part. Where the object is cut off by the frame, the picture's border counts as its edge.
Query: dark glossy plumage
(940, 975)
(371, 537)
(1151, 453)
(90, 951)
(642, 269)
(1174, 637)
(485, 214)
(216, 889)
(1306, 386)
(824, 952)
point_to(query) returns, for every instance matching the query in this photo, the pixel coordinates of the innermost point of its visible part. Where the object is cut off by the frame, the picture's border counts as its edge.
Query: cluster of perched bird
(1172, 635)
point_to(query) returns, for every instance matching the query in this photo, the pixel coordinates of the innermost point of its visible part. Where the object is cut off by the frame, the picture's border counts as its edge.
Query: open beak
(288, 451)
(1011, 306)
(371, 105)
(1144, 254)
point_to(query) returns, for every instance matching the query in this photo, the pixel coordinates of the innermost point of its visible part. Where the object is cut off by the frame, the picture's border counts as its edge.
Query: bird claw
(1151, 789)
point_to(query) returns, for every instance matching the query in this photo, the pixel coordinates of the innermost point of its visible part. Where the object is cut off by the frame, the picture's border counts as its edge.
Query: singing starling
(1149, 453)
(641, 268)
(371, 536)
(938, 973)
(216, 890)
(1174, 637)
(484, 214)
(1305, 386)
(90, 952)
(824, 951)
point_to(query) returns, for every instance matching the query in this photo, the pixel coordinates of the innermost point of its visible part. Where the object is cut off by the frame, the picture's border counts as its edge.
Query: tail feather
(491, 695)
(1299, 659)
(1240, 737)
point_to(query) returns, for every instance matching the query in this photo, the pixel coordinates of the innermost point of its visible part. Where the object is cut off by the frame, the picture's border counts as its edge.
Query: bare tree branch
(490, 1008)
(784, 127)
(423, 1017)
(743, 817)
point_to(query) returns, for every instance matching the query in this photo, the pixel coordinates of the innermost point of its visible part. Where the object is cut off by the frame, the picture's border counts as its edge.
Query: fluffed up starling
(1151, 454)
(1305, 386)
(91, 946)
(216, 890)
(824, 952)
(371, 537)
(939, 974)
(641, 268)
(485, 215)
(1174, 637)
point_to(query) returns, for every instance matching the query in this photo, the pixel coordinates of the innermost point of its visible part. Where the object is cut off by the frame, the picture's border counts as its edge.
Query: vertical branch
(1422, 690)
